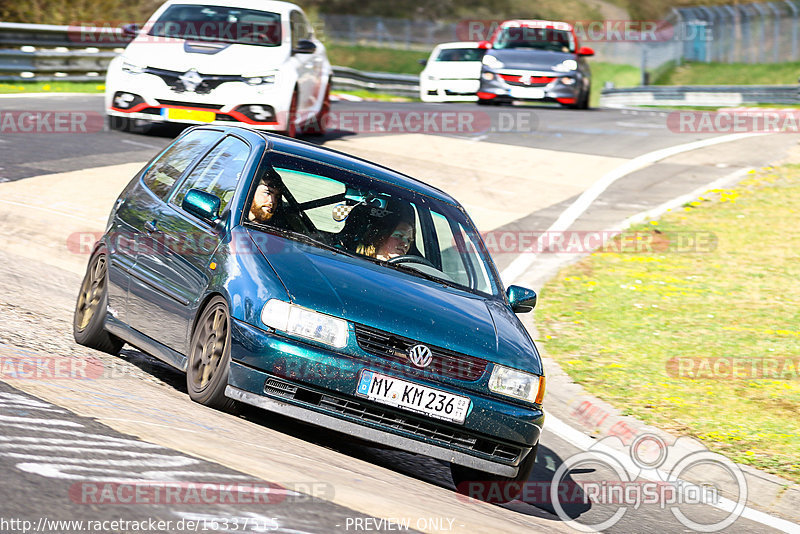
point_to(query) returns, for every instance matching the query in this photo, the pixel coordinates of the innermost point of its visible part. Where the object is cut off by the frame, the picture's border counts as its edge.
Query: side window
(163, 173)
(456, 250)
(218, 172)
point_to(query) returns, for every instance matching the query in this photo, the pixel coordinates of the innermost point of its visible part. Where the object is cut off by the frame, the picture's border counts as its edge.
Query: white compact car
(227, 62)
(452, 73)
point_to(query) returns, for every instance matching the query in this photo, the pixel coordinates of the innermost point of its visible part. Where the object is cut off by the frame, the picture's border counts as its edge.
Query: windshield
(460, 54)
(219, 24)
(371, 220)
(537, 38)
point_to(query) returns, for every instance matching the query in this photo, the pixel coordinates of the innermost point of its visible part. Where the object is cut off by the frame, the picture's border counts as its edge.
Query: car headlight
(566, 80)
(492, 62)
(488, 76)
(567, 65)
(517, 384)
(260, 80)
(131, 68)
(305, 323)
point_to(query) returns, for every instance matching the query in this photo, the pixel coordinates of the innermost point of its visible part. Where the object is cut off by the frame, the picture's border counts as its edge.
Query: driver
(266, 206)
(389, 236)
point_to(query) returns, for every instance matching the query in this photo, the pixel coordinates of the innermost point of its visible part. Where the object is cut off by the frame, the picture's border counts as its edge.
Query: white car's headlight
(131, 68)
(305, 323)
(568, 65)
(492, 62)
(266, 79)
(517, 384)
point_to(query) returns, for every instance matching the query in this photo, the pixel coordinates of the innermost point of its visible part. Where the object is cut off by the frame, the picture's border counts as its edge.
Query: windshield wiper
(422, 274)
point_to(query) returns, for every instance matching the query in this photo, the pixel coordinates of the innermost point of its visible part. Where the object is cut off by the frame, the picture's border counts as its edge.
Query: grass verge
(731, 74)
(622, 325)
(52, 87)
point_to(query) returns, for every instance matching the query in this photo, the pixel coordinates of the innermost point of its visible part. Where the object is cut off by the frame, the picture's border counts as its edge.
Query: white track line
(575, 437)
(523, 262)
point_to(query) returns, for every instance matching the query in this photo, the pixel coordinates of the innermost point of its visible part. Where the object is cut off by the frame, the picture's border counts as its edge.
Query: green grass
(731, 74)
(378, 97)
(52, 87)
(375, 59)
(621, 75)
(614, 320)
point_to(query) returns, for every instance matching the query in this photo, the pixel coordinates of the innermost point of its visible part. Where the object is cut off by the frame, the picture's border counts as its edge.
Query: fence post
(762, 48)
(776, 31)
(794, 28)
(645, 80)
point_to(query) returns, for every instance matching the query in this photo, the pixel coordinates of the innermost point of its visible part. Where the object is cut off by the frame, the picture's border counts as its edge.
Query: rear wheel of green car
(88, 323)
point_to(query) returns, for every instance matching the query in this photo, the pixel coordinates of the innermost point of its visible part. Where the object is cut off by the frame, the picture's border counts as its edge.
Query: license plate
(189, 114)
(527, 92)
(413, 397)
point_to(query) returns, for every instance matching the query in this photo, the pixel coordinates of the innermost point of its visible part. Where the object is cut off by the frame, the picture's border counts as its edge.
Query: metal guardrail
(82, 54)
(701, 95)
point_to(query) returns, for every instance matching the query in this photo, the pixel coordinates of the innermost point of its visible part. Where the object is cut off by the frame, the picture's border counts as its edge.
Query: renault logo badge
(420, 355)
(191, 79)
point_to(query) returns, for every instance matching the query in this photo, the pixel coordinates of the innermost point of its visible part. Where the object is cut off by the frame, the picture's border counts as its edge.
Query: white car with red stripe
(252, 63)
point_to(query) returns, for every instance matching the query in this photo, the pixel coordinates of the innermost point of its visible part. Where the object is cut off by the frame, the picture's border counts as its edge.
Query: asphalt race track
(76, 449)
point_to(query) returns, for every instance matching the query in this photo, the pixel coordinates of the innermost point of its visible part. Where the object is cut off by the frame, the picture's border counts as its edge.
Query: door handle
(151, 227)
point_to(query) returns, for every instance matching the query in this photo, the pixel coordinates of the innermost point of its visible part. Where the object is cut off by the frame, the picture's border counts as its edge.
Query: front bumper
(499, 90)
(444, 90)
(318, 385)
(228, 104)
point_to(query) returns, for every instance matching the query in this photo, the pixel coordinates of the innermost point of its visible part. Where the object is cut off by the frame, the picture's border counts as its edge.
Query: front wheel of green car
(88, 323)
(210, 357)
(490, 487)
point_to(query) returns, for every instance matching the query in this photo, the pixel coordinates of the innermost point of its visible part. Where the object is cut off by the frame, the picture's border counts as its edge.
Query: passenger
(389, 236)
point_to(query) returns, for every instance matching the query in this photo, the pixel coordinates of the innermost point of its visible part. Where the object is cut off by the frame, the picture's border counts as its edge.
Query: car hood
(383, 298)
(530, 59)
(453, 69)
(232, 59)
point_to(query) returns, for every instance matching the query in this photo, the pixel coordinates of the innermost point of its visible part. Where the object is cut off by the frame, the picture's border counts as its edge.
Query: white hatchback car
(222, 62)
(452, 73)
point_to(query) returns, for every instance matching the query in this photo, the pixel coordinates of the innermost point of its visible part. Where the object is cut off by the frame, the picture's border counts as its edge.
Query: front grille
(516, 79)
(179, 103)
(209, 81)
(395, 348)
(458, 93)
(392, 420)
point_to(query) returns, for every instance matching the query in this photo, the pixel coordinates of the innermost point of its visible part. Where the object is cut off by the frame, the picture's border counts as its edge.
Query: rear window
(219, 24)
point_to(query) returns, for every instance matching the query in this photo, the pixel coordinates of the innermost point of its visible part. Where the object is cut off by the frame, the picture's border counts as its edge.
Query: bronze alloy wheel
(88, 324)
(209, 356)
(92, 291)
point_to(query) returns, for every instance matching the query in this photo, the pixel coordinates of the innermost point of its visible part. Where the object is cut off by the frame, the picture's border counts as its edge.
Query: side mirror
(522, 300)
(585, 51)
(201, 204)
(304, 46)
(484, 45)
(422, 62)
(131, 30)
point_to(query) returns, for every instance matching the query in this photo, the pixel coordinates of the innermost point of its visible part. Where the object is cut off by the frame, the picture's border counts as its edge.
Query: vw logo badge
(420, 355)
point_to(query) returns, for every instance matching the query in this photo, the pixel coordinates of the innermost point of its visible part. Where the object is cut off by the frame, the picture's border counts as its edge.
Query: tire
(122, 124)
(291, 125)
(509, 488)
(88, 322)
(210, 356)
(586, 99)
(318, 125)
